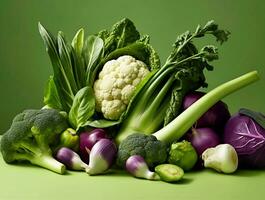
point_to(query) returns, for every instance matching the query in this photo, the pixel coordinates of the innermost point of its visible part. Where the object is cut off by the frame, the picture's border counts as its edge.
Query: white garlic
(222, 158)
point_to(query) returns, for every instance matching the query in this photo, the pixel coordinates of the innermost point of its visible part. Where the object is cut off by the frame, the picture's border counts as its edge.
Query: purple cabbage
(245, 131)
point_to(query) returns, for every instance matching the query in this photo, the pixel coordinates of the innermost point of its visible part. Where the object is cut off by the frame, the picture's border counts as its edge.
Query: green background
(25, 68)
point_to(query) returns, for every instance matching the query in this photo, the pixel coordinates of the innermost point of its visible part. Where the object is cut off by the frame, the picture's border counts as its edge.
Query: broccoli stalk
(39, 156)
(31, 136)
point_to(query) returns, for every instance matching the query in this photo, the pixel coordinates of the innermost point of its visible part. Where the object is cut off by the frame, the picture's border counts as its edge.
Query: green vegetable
(158, 100)
(51, 96)
(31, 136)
(93, 50)
(180, 125)
(83, 107)
(62, 59)
(69, 139)
(183, 155)
(116, 84)
(152, 150)
(78, 64)
(169, 172)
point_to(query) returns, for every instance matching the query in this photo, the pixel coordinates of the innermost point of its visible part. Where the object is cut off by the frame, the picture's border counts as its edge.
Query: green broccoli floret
(30, 136)
(152, 150)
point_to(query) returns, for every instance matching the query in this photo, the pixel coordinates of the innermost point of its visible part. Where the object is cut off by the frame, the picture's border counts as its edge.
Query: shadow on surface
(248, 172)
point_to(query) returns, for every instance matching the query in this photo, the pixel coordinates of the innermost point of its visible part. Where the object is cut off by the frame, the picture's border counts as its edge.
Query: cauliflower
(116, 83)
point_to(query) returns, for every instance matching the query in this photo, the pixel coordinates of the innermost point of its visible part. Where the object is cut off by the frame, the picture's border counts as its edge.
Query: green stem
(180, 125)
(50, 163)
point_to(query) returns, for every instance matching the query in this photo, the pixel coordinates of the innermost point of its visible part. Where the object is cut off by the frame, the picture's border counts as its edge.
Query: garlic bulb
(222, 158)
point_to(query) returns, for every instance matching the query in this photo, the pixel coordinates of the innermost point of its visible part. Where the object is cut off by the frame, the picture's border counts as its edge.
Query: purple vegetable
(87, 141)
(137, 166)
(202, 139)
(102, 156)
(215, 117)
(246, 133)
(70, 159)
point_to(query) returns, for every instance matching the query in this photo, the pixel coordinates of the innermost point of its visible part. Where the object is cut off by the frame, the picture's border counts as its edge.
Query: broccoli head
(152, 150)
(30, 136)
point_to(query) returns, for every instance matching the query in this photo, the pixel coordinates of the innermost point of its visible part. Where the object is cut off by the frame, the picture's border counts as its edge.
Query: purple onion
(88, 140)
(70, 159)
(102, 156)
(215, 117)
(137, 166)
(202, 139)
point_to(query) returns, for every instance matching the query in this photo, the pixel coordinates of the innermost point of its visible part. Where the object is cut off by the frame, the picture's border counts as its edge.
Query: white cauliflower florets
(116, 83)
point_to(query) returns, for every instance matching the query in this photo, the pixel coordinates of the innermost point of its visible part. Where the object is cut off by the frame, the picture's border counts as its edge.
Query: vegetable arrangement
(110, 103)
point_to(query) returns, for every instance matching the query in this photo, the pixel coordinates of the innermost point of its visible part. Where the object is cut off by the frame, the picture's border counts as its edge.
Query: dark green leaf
(51, 97)
(190, 63)
(78, 62)
(83, 107)
(65, 58)
(140, 51)
(145, 39)
(62, 83)
(121, 34)
(209, 52)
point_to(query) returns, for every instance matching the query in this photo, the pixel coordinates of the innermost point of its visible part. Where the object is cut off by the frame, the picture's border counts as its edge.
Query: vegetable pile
(110, 103)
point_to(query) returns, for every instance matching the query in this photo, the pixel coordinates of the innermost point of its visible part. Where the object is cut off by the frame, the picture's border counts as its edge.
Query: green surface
(31, 183)
(25, 68)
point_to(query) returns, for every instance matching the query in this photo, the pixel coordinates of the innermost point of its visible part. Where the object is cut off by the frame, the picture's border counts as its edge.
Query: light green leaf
(101, 123)
(83, 107)
(78, 42)
(51, 97)
(92, 52)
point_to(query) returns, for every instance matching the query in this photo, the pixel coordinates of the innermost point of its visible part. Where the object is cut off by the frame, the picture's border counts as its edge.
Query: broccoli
(152, 150)
(30, 137)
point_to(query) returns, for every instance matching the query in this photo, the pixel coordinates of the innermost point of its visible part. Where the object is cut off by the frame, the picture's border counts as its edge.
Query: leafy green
(158, 101)
(63, 84)
(93, 50)
(77, 58)
(83, 107)
(51, 97)
(65, 58)
(190, 76)
(78, 42)
(140, 51)
(120, 35)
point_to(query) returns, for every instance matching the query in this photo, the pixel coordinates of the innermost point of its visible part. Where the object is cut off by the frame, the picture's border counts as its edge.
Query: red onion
(70, 159)
(102, 156)
(215, 117)
(88, 140)
(137, 166)
(202, 139)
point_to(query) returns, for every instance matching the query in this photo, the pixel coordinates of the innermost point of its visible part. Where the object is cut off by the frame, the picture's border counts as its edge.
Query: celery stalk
(181, 124)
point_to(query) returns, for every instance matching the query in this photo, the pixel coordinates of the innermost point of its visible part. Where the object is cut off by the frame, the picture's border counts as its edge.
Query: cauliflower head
(116, 84)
